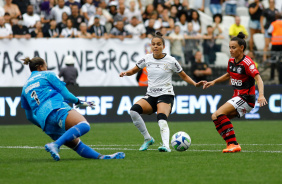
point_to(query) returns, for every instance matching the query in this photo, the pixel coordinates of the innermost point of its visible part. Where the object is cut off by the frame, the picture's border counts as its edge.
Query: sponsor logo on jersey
(155, 90)
(236, 82)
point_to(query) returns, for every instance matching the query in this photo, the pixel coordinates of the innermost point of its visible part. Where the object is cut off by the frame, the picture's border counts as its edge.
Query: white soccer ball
(181, 141)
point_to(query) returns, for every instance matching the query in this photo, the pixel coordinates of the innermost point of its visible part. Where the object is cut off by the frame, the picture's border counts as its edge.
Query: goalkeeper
(43, 98)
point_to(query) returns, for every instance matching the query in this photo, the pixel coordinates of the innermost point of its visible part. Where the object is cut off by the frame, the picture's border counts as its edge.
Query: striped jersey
(242, 78)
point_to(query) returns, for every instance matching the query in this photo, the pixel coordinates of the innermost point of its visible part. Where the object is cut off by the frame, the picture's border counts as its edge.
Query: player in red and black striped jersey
(243, 74)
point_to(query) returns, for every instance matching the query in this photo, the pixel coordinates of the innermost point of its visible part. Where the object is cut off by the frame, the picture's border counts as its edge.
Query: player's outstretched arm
(130, 72)
(188, 79)
(218, 80)
(261, 99)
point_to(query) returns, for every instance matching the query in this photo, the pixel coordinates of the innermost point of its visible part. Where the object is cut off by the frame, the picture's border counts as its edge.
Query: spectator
(88, 10)
(215, 6)
(22, 4)
(165, 20)
(121, 12)
(230, 7)
(99, 12)
(255, 11)
(196, 21)
(150, 31)
(69, 31)
(147, 13)
(45, 8)
(119, 32)
(5, 29)
(182, 23)
(52, 31)
(162, 2)
(70, 3)
(177, 4)
(218, 30)
(177, 42)
(133, 12)
(96, 3)
(209, 46)
(83, 31)
(192, 41)
(200, 70)
(7, 18)
(174, 14)
(136, 29)
(63, 24)
(236, 28)
(113, 11)
(276, 42)
(37, 32)
(69, 73)
(76, 18)
(269, 15)
(30, 18)
(58, 10)
(97, 30)
(12, 9)
(19, 30)
(157, 24)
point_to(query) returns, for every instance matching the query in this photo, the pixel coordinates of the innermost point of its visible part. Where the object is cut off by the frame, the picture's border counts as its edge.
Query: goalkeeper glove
(81, 103)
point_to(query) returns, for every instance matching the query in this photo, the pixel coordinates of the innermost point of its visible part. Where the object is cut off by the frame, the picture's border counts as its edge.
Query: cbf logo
(254, 113)
(147, 48)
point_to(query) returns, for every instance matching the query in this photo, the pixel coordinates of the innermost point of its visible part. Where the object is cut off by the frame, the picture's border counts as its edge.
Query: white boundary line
(96, 147)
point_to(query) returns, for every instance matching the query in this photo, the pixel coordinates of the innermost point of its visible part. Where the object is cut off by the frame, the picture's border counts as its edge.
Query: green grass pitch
(23, 159)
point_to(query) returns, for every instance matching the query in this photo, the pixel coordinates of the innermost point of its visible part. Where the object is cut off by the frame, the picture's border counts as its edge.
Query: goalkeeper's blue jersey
(41, 94)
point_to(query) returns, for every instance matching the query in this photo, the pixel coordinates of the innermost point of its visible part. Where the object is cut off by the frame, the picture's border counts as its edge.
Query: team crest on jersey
(239, 69)
(166, 67)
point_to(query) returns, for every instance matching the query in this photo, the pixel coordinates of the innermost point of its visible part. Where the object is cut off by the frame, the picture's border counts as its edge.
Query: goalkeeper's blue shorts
(55, 122)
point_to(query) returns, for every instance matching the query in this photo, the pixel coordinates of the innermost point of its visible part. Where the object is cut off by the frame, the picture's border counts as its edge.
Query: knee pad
(161, 116)
(137, 108)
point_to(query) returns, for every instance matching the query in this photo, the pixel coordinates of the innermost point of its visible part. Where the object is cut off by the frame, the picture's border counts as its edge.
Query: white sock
(164, 132)
(140, 124)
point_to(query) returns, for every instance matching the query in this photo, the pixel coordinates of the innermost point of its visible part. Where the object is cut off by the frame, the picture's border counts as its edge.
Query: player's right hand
(122, 74)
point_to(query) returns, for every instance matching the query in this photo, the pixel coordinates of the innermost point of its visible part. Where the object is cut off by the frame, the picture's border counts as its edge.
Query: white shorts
(240, 105)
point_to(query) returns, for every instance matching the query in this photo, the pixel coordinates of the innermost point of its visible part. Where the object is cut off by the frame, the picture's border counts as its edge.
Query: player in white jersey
(160, 95)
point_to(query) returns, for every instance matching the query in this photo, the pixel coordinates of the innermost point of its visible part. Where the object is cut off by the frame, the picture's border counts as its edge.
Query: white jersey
(160, 74)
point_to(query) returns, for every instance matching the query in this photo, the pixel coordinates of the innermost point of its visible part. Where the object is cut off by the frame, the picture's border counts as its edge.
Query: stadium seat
(227, 21)
(221, 59)
(259, 41)
(242, 11)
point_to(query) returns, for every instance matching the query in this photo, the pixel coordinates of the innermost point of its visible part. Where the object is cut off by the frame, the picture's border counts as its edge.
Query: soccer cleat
(54, 150)
(146, 144)
(118, 155)
(164, 149)
(232, 148)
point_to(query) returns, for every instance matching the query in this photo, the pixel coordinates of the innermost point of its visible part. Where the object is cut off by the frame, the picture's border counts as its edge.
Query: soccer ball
(181, 141)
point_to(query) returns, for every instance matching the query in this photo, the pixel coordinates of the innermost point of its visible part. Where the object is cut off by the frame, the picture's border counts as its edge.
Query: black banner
(113, 104)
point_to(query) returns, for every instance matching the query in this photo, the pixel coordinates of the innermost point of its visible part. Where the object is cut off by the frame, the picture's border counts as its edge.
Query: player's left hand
(262, 101)
(201, 83)
(85, 104)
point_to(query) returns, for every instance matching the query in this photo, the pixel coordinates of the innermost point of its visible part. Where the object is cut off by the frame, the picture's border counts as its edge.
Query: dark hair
(240, 39)
(33, 63)
(159, 35)
(217, 15)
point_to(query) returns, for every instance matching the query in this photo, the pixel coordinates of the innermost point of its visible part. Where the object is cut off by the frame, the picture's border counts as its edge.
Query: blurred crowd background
(198, 30)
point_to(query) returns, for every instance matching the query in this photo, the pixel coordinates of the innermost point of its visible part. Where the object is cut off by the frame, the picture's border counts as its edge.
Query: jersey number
(34, 95)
